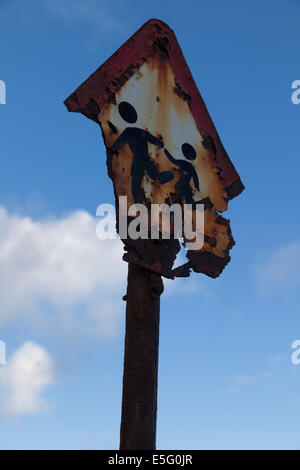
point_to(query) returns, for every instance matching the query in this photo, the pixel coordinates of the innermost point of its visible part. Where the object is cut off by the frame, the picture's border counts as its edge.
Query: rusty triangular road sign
(145, 91)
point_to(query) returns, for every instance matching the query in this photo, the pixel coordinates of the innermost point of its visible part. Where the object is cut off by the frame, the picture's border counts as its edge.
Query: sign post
(139, 404)
(165, 158)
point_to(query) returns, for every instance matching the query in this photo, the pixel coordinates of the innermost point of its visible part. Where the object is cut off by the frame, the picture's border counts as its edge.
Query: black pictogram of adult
(138, 140)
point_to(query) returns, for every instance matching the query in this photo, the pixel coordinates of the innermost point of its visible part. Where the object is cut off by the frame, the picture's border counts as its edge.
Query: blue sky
(226, 380)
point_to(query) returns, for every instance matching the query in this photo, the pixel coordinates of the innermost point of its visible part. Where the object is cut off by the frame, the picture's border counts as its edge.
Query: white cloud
(278, 359)
(280, 269)
(56, 273)
(28, 373)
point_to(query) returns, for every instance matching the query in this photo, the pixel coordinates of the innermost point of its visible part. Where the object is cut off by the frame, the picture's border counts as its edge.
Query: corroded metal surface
(139, 402)
(162, 146)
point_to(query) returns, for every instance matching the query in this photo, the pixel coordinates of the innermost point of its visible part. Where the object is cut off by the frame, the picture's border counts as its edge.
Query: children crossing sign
(164, 152)
(162, 146)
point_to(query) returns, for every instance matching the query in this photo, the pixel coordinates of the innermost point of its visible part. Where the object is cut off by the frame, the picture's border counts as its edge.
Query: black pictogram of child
(138, 140)
(186, 173)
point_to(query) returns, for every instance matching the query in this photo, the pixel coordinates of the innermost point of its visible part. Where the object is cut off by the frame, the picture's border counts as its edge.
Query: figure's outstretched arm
(154, 140)
(119, 142)
(195, 179)
(172, 159)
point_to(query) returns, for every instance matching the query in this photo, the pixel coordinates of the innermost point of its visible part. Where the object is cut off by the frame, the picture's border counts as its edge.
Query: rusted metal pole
(139, 403)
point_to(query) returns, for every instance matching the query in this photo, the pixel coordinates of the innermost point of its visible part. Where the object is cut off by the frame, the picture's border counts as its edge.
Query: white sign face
(147, 102)
(157, 151)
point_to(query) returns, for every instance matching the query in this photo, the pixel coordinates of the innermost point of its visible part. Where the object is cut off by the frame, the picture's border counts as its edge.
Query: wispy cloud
(280, 269)
(278, 359)
(94, 15)
(241, 381)
(91, 12)
(28, 373)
